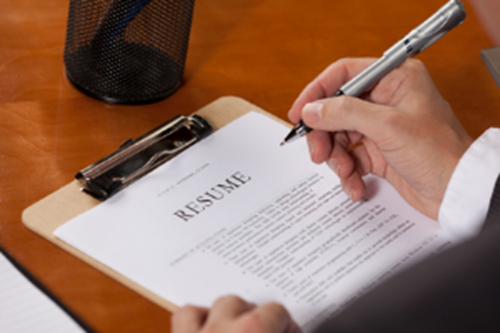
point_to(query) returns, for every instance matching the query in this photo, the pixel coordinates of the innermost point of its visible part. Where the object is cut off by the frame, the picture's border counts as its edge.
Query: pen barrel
(446, 18)
(391, 59)
(439, 24)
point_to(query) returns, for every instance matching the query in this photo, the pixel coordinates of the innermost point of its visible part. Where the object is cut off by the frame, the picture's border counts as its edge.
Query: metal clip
(136, 158)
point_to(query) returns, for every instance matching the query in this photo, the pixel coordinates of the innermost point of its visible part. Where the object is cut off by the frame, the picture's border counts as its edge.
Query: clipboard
(46, 215)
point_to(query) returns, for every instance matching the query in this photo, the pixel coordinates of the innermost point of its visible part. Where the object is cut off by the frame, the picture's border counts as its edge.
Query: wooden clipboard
(46, 215)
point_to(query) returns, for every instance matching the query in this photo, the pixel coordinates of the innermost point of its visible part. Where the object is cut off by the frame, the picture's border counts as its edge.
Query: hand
(409, 134)
(232, 314)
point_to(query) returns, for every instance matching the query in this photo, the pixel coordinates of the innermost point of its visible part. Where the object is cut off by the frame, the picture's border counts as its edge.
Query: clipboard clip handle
(136, 158)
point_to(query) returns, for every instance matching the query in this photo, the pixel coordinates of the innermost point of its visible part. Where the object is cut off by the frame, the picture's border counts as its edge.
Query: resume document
(239, 214)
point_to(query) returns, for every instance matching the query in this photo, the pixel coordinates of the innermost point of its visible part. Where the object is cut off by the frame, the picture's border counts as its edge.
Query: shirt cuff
(467, 198)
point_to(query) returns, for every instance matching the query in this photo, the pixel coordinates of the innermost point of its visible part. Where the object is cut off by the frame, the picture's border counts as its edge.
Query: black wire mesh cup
(127, 51)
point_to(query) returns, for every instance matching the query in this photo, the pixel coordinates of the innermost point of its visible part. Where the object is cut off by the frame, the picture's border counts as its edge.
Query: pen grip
(304, 127)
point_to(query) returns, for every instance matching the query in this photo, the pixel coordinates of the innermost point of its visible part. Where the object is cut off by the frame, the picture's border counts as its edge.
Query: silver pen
(446, 18)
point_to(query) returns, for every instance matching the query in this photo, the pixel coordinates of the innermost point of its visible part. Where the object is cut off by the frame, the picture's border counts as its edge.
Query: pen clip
(446, 18)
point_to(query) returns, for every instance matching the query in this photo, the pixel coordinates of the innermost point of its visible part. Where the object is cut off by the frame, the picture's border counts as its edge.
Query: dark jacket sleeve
(455, 291)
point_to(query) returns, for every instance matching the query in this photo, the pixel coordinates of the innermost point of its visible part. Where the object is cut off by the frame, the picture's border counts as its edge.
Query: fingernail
(334, 164)
(312, 111)
(311, 147)
(348, 190)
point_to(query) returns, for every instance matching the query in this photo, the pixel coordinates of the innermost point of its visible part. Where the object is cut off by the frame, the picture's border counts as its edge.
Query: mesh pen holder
(127, 51)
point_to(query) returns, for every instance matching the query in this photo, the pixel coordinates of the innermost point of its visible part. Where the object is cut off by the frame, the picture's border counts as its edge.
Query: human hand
(408, 132)
(232, 314)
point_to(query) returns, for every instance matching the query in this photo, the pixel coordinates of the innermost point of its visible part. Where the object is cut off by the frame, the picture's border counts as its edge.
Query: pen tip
(282, 143)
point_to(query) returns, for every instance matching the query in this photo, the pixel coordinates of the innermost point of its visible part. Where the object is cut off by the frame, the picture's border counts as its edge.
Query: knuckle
(340, 64)
(278, 308)
(341, 137)
(182, 312)
(229, 301)
(415, 65)
(343, 104)
(252, 322)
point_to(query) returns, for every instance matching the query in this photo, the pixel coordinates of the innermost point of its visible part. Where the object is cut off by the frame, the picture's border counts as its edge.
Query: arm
(455, 291)
(410, 137)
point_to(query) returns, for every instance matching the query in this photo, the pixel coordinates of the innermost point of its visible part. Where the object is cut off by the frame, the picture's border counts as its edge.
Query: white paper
(238, 214)
(25, 309)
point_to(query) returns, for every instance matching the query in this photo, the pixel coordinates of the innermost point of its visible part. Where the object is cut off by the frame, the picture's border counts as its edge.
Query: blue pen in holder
(127, 51)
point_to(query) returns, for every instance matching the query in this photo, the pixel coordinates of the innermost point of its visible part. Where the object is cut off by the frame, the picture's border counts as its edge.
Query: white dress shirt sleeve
(467, 198)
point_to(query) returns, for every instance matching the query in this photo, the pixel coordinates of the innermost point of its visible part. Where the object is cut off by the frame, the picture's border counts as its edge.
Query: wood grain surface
(264, 51)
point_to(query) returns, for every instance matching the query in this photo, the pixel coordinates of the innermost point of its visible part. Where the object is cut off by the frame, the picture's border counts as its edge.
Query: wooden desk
(263, 51)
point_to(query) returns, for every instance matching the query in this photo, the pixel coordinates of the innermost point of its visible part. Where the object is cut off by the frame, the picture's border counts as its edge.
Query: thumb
(345, 113)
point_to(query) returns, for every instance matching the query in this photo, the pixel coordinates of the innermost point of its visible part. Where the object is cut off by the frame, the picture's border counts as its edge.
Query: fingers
(320, 146)
(349, 164)
(228, 307)
(354, 186)
(275, 318)
(350, 114)
(329, 142)
(188, 319)
(340, 161)
(232, 314)
(327, 83)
